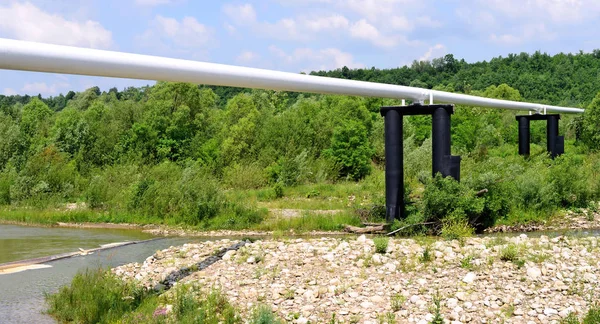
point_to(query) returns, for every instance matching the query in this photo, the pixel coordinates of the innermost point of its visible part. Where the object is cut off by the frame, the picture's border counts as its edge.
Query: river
(22, 293)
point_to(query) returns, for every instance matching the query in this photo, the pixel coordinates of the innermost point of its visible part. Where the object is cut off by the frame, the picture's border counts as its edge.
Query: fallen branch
(365, 230)
(375, 224)
(481, 192)
(407, 226)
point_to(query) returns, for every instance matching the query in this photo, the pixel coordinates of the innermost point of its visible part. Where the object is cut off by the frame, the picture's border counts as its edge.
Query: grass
(467, 262)
(397, 301)
(310, 222)
(591, 317)
(97, 296)
(512, 253)
(426, 255)
(381, 244)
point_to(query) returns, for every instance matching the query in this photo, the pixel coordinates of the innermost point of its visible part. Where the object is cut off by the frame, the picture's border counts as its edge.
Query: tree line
(170, 151)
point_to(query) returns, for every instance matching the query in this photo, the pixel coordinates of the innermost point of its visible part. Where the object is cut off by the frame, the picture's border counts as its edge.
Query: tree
(591, 124)
(350, 150)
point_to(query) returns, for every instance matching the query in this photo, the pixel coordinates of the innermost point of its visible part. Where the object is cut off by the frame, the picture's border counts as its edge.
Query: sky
(293, 35)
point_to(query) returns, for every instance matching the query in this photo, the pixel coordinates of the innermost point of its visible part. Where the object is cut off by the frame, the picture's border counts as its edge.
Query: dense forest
(180, 153)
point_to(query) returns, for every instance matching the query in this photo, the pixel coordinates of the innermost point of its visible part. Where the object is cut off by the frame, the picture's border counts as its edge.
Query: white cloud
(240, 14)
(9, 92)
(186, 33)
(433, 52)
(302, 28)
(152, 3)
(247, 57)
(311, 60)
(522, 34)
(25, 21)
(43, 88)
(558, 11)
(365, 31)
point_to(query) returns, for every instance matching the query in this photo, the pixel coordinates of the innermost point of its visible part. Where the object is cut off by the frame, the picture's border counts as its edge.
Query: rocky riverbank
(478, 280)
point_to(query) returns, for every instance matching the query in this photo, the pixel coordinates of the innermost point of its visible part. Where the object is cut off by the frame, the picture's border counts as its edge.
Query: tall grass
(97, 296)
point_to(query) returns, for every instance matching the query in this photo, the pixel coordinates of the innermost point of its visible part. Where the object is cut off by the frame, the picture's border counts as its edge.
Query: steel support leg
(440, 137)
(524, 136)
(394, 166)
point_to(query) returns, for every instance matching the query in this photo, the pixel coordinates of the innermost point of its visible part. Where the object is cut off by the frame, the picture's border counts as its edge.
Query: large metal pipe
(40, 57)
(394, 165)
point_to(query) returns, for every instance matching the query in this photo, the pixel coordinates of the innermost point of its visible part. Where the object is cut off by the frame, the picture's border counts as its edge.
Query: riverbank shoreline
(479, 279)
(569, 221)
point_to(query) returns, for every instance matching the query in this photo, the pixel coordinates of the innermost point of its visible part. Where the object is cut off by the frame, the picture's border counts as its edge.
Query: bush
(590, 133)
(381, 244)
(244, 176)
(350, 150)
(456, 226)
(445, 196)
(95, 296)
(263, 315)
(569, 178)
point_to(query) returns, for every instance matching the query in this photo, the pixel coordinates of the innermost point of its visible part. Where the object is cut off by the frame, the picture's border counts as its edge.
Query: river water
(22, 293)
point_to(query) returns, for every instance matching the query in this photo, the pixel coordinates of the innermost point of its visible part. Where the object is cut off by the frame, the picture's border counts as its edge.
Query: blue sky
(294, 35)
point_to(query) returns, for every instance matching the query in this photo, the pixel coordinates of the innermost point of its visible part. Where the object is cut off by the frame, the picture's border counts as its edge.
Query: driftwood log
(380, 229)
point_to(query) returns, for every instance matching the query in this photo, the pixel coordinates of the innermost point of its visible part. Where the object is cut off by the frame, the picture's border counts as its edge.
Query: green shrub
(456, 226)
(570, 180)
(426, 255)
(590, 132)
(350, 150)
(277, 190)
(445, 196)
(593, 315)
(510, 253)
(95, 296)
(244, 176)
(381, 244)
(263, 315)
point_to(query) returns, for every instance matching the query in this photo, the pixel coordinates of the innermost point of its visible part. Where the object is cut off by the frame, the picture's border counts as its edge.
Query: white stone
(414, 299)
(533, 273)
(452, 302)
(228, 255)
(469, 278)
(550, 311)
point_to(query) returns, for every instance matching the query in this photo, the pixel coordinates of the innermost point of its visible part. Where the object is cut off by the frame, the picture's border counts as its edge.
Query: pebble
(317, 277)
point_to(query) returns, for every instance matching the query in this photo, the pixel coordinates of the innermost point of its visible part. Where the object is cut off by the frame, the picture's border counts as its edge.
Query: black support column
(440, 139)
(555, 145)
(394, 166)
(524, 135)
(443, 162)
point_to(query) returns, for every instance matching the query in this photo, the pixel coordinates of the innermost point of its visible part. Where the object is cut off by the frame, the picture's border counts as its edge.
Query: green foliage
(95, 296)
(426, 256)
(593, 315)
(437, 315)
(350, 150)
(446, 196)
(590, 133)
(381, 244)
(263, 315)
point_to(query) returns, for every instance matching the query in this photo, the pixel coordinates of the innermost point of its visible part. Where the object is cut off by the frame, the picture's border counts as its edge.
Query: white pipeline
(39, 57)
